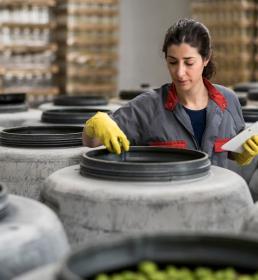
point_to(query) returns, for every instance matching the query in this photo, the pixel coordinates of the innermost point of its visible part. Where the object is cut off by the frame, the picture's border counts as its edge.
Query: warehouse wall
(143, 24)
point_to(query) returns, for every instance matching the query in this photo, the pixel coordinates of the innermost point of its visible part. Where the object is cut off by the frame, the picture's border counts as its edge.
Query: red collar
(214, 94)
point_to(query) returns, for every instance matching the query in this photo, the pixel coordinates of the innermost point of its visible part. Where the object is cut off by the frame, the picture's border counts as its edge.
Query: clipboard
(235, 144)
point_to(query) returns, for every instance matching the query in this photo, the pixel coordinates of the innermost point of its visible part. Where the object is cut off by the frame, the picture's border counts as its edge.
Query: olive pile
(149, 271)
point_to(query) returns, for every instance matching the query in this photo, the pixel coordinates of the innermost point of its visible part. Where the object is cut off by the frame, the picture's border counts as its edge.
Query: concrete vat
(145, 190)
(185, 251)
(14, 111)
(28, 155)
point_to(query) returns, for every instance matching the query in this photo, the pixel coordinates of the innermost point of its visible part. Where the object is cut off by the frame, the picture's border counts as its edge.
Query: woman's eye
(172, 62)
(189, 64)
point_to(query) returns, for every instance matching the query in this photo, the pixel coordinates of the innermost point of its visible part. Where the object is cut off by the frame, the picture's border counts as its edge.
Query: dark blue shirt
(198, 121)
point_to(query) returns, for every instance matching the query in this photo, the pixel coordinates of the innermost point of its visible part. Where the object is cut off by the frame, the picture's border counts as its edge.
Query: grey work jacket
(158, 119)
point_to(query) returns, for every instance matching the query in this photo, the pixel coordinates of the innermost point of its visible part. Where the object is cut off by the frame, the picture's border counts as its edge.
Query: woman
(189, 113)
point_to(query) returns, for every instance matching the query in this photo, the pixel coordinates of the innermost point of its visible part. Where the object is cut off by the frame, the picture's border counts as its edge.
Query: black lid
(191, 250)
(42, 136)
(242, 100)
(12, 98)
(64, 100)
(69, 116)
(245, 87)
(145, 85)
(250, 114)
(129, 94)
(253, 94)
(13, 103)
(145, 164)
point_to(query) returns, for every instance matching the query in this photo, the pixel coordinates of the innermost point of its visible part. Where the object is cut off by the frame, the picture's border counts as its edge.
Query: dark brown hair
(196, 35)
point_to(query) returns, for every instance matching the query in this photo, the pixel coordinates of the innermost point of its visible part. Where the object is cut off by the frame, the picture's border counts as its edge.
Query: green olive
(147, 267)
(148, 270)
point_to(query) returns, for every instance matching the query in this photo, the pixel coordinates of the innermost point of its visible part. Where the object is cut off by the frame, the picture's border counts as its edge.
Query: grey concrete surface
(18, 119)
(250, 223)
(23, 170)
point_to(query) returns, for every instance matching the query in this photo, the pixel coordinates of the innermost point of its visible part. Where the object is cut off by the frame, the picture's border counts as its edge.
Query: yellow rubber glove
(250, 151)
(104, 128)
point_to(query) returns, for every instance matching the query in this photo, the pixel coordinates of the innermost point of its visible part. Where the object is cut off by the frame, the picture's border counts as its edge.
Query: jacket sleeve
(135, 117)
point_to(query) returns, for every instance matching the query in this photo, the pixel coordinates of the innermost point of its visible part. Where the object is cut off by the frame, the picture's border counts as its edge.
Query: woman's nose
(180, 71)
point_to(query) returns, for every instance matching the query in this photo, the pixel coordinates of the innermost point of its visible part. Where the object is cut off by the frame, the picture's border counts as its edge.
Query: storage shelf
(233, 25)
(28, 48)
(91, 12)
(86, 42)
(53, 69)
(91, 88)
(95, 1)
(91, 27)
(12, 3)
(28, 25)
(222, 7)
(87, 35)
(75, 72)
(31, 90)
(84, 58)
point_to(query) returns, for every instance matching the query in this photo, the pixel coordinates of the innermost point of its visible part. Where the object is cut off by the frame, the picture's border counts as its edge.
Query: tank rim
(69, 116)
(80, 100)
(100, 163)
(42, 136)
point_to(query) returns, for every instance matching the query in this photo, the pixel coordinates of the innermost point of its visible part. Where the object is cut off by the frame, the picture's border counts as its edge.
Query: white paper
(235, 144)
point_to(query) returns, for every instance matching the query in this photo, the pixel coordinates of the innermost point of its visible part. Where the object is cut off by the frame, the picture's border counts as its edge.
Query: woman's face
(185, 66)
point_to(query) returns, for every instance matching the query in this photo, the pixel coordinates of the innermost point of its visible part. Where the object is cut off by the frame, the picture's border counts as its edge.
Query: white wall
(143, 24)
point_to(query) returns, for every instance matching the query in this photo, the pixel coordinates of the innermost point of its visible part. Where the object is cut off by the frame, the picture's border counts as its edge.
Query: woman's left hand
(250, 151)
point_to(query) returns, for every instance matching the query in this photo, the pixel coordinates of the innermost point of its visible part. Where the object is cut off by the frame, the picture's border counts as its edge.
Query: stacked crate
(87, 33)
(233, 27)
(27, 49)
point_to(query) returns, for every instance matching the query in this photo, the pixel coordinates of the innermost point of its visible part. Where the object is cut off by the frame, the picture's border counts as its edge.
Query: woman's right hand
(101, 126)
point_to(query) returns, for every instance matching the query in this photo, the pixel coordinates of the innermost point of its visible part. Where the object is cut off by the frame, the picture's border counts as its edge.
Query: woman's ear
(206, 60)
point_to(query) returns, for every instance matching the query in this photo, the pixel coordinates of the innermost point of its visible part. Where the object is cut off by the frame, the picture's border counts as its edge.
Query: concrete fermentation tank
(14, 111)
(79, 102)
(145, 190)
(169, 252)
(28, 155)
(31, 235)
